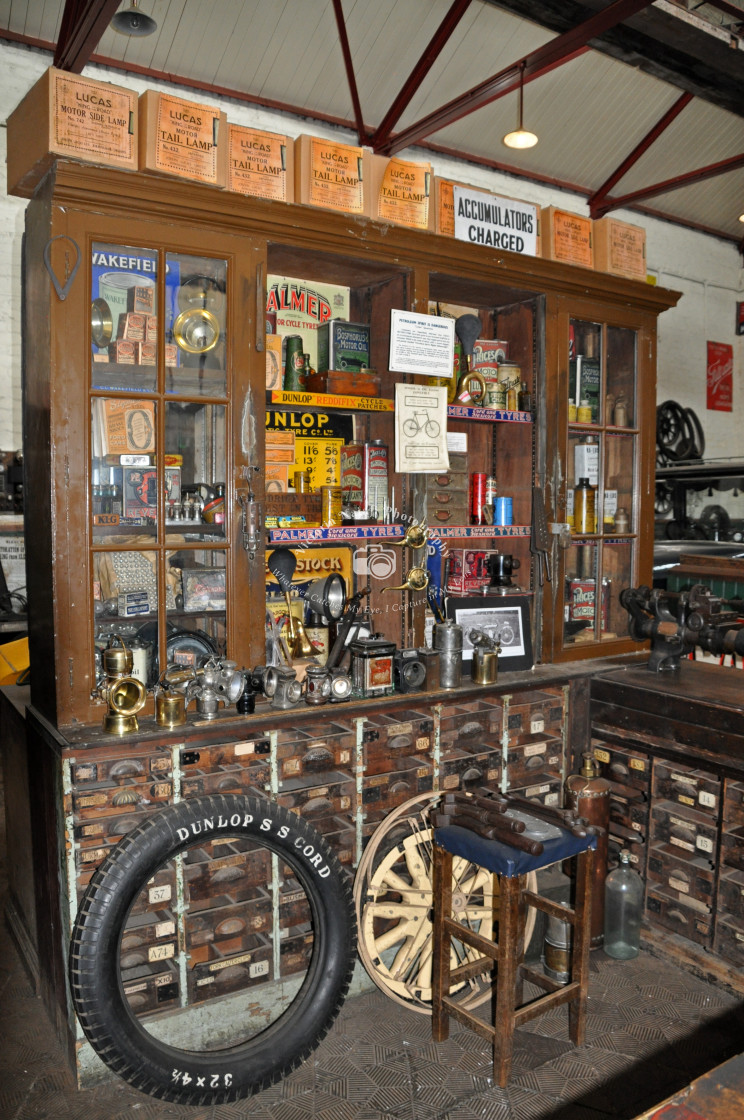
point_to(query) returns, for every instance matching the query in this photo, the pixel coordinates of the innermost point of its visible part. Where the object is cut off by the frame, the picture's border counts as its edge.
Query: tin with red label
(477, 498)
(582, 597)
(372, 666)
(364, 478)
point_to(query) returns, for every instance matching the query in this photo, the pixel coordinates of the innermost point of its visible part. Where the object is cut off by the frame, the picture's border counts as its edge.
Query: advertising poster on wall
(720, 377)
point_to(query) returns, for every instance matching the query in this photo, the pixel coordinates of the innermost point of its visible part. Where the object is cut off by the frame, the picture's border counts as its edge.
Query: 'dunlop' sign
(500, 223)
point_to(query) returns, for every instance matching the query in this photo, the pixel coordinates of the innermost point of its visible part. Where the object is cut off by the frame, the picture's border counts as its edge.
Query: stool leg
(508, 966)
(442, 905)
(581, 945)
(521, 947)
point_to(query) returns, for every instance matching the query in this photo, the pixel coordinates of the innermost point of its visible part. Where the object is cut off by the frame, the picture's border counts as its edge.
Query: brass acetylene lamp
(124, 694)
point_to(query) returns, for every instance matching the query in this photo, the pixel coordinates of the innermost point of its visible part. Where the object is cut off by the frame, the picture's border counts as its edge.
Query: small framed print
(203, 589)
(503, 618)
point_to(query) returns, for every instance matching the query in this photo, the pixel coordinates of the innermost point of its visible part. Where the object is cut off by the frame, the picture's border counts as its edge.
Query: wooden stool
(509, 867)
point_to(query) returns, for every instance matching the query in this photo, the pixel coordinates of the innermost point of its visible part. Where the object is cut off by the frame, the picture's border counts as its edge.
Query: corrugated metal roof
(589, 113)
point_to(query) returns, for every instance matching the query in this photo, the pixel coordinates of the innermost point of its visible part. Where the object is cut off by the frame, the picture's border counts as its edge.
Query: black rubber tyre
(217, 1075)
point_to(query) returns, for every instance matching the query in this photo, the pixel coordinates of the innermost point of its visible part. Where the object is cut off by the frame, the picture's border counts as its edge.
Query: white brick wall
(706, 269)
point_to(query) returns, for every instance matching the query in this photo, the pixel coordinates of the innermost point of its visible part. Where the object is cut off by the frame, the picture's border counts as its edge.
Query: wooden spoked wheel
(393, 899)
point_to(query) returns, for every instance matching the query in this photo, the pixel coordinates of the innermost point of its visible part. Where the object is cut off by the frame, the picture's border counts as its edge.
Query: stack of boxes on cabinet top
(67, 116)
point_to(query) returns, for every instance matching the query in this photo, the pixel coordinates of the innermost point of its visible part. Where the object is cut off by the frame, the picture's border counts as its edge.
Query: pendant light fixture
(521, 138)
(133, 22)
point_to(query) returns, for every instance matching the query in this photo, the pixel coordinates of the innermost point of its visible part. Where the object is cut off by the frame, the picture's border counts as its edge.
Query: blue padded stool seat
(509, 866)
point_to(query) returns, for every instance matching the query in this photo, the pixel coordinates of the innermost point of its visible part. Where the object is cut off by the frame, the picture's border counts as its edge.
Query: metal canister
(330, 505)
(294, 364)
(557, 949)
(170, 709)
(503, 511)
(372, 666)
(447, 638)
(477, 497)
(589, 796)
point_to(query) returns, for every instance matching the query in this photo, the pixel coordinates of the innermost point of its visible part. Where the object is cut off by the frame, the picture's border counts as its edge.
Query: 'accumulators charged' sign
(501, 223)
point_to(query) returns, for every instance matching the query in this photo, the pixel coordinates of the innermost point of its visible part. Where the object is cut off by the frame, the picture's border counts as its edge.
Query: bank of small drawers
(239, 921)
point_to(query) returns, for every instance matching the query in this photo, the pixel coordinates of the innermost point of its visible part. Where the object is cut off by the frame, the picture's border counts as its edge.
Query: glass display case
(601, 508)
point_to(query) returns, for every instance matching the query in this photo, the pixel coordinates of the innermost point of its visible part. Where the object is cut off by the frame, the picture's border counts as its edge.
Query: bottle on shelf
(524, 400)
(585, 507)
(318, 634)
(623, 906)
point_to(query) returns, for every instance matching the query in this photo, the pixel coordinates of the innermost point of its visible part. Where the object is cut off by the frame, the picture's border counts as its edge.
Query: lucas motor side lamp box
(401, 193)
(620, 248)
(182, 138)
(66, 116)
(260, 163)
(566, 237)
(331, 175)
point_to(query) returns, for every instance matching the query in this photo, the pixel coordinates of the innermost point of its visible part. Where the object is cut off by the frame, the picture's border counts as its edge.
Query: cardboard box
(620, 248)
(400, 192)
(566, 237)
(66, 116)
(277, 478)
(260, 163)
(332, 175)
(468, 571)
(182, 138)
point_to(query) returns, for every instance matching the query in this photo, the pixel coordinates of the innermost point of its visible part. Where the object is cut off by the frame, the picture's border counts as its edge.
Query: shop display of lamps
(325, 596)
(521, 137)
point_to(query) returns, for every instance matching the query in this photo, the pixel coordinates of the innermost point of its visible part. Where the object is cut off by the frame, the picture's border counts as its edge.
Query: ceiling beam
(555, 53)
(596, 200)
(687, 180)
(350, 76)
(83, 24)
(419, 72)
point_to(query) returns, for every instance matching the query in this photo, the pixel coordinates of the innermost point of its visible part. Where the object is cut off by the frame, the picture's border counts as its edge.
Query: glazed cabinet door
(152, 450)
(600, 470)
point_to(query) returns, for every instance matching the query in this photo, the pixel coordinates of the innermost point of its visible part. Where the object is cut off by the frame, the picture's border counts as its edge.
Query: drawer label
(535, 748)
(422, 742)
(704, 843)
(217, 966)
(686, 800)
(165, 929)
(159, 894)
(161, 952)
(707, 799)
(537, 724)
(601, 756)
(259, 968)
(682, 844)
(637, 764)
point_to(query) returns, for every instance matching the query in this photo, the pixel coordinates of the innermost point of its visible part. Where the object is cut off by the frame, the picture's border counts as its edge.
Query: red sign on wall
(720, 376)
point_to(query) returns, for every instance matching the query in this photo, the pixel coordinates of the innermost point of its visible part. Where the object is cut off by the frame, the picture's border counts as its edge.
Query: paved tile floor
(651, 1029)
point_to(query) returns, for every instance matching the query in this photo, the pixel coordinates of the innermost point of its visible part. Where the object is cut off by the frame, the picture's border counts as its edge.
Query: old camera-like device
(409, 670)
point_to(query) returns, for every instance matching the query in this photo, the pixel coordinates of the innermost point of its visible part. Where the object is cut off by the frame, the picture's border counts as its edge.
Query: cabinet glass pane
(195, 470)
(123, 318)
(123, 475)
(584, 451)
(580, 599)
(620, 405)
(125, 604)
(195, 342)
(617, 573)
(618, 515)
(196, 616)
(584, 372)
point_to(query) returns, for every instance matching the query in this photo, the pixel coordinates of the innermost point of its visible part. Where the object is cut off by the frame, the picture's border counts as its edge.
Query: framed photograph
(203, 589)
(505, 618)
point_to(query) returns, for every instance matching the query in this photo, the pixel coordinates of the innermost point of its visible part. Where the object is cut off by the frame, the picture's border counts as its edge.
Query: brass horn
(416, 536)
(416, 580)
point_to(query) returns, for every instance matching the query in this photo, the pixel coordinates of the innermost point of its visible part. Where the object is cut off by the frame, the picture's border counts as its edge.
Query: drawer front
(628, 768)
(690, 880)
(686, 829)
(682, 785)
(665, 910)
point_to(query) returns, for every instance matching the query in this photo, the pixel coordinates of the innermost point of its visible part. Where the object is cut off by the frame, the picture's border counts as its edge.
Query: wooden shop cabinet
(145, 371)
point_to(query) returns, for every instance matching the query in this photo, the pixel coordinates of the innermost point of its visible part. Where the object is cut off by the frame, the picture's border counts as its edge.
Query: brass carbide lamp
(124, 694)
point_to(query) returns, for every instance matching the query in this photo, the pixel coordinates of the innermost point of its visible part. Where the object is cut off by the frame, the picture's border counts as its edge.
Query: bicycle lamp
(327, 597)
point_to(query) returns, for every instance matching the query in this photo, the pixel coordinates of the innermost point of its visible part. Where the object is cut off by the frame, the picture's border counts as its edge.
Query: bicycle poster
(420, 428)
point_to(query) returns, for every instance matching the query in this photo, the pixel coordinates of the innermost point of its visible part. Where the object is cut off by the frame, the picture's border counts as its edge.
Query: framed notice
(422, 344)
(503, 618)
(720, 377)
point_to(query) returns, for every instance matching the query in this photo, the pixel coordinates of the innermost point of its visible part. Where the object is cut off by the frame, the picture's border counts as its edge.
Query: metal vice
(677, 621)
